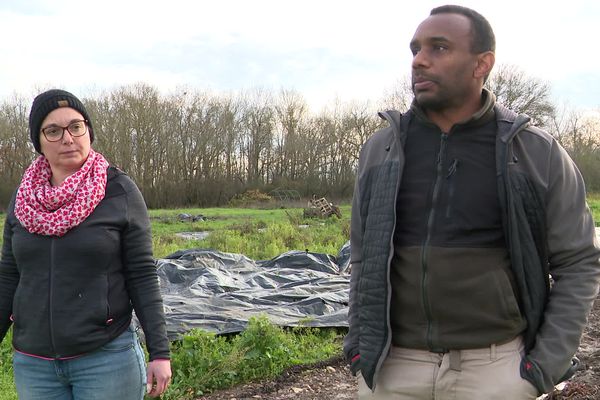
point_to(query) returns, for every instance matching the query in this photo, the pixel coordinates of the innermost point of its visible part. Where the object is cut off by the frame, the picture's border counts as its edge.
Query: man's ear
(485, 63)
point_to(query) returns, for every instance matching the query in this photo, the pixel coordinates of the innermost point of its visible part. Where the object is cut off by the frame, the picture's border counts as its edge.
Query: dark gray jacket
(70, 295)
(549, 230)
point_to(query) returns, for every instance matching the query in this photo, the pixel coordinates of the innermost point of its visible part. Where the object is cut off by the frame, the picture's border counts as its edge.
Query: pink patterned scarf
(54, 210)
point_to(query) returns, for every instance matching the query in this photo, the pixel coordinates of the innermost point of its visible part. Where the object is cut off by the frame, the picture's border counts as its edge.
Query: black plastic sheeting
(219, 292)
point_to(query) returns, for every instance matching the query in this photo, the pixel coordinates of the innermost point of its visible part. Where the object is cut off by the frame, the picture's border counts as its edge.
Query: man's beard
(434, 103)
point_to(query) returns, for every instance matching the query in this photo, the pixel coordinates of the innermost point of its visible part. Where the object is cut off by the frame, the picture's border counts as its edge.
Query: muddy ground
(332, 380)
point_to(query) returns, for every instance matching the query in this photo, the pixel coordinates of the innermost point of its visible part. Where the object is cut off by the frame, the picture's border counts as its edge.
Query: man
(461, 212)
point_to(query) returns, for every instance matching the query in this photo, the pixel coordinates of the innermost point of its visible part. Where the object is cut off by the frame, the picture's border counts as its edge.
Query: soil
(331, 380)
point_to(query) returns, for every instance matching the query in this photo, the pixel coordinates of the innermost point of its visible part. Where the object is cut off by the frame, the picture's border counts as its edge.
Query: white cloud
(323, 49)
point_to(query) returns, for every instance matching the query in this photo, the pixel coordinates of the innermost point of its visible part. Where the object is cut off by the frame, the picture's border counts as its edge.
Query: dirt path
(332, 380)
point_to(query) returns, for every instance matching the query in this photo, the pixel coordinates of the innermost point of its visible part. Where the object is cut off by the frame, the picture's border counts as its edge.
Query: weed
(267, 349)
(7, 387)
(203, 362)
(295, 218)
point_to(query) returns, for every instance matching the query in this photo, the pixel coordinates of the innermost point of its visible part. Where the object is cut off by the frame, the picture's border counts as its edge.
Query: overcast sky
(322, 48)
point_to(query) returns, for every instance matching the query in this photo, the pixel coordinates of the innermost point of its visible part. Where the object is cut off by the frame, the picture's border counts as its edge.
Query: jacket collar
(509, 122)
(482, 116)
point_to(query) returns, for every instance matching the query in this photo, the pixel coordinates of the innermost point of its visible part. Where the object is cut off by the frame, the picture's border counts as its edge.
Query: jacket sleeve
(9, 275)
(573, 256)
(351, 341)
(141, 277)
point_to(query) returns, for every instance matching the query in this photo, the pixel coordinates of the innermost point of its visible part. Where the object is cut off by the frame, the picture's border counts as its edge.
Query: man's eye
(440, 48)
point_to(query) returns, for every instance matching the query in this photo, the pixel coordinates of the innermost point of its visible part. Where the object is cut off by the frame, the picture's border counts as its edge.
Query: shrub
(248, 198)
(267, 349)
(202, 362)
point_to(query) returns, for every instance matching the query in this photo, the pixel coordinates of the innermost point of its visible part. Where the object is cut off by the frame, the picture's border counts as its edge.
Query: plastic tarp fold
(219, 292)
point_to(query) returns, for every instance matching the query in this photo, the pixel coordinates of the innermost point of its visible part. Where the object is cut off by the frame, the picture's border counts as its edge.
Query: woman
(76, 259)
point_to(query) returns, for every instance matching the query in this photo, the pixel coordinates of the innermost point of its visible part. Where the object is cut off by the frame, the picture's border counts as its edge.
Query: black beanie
(44, 104)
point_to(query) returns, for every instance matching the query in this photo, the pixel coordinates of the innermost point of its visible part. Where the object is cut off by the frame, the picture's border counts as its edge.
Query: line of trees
(196, 148)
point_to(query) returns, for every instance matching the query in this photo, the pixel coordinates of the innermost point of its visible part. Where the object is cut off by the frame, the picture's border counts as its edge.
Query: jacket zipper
(430, 223)
(449, 177)
(50, 297)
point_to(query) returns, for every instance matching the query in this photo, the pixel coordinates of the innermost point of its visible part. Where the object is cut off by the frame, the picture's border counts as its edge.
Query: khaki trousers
(489, 373)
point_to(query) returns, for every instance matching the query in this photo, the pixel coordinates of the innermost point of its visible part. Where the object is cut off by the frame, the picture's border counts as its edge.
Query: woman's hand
(159, 377)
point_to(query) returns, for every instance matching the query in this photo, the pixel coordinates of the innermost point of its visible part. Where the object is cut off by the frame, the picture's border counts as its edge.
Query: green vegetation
(7, 387)
(594, 202)
(258, 234)
(203, 362)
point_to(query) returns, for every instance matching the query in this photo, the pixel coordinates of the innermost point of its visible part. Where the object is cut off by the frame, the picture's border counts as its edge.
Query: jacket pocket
(16, 309)
(471, 299)
(507, 296)
(85, 304)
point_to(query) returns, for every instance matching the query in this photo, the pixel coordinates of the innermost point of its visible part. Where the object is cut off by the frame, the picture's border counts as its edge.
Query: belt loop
(493, 351)
(454, 360)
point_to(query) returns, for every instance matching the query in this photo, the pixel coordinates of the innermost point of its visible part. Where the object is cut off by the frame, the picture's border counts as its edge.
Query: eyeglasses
(56, 133)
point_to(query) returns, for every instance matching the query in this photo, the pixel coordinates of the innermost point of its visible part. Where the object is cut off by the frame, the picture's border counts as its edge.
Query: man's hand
(159, 377)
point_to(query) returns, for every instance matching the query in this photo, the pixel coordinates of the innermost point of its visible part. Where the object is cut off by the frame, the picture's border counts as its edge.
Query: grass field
(257, 233)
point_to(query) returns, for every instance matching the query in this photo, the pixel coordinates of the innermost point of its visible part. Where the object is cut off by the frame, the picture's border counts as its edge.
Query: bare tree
(522, 93)
(16, 151)
(258, 124)
(291, 110)
(198, 148)
(579, 134)
(398, 97)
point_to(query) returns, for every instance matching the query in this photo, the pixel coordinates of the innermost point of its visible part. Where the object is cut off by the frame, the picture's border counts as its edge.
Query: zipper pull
(443, 139)
(452, 169)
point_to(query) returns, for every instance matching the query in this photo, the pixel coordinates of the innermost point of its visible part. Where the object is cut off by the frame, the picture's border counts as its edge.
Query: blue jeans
(116, 371)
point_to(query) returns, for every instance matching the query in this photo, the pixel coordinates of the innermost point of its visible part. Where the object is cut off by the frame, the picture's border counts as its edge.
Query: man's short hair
(483, 38)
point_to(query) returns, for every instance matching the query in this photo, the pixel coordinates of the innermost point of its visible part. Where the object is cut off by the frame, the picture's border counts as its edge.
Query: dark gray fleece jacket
(70, 295)
(547, 226)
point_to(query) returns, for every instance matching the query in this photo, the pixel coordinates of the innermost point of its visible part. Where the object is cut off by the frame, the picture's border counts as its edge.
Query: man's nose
(420, 60)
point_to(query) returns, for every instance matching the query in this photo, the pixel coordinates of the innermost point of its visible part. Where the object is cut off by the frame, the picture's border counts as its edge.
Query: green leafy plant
(203, 362)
